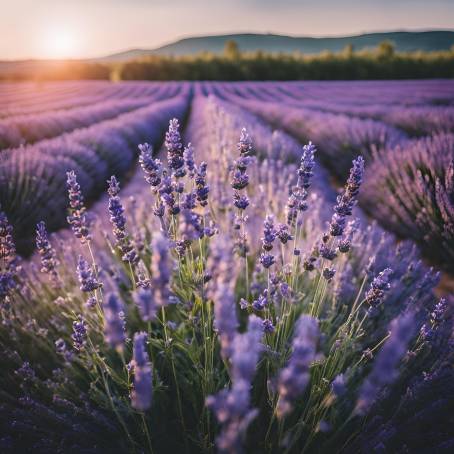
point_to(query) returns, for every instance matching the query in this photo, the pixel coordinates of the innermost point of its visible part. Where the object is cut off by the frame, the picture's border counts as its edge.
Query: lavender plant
(410, 190)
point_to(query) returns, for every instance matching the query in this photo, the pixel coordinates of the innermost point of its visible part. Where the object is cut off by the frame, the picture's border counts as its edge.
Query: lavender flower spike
(152, 167)
(380, 284)
(77, 218)
(232, 407)
(46, 251)
(175, 149)
(160, 269)
(8, 258)
(347, 200)
(118, 220)
(144, 299)
(114, 330)
(141, 394)
(384, 371)
(297, 200)
(225, 317)
(79, 333)
(294, 378)
(246, 350)
(188, 156)
(87, 279)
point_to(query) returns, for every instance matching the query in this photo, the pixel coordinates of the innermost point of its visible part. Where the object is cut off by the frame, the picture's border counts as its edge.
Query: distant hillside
(404, 42)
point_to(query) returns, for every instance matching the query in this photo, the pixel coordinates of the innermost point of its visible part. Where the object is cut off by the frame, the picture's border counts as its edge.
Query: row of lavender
(410, 185)
(31, 177)
(221, 310)
(26, 129)
(76, 95)
(417, 109)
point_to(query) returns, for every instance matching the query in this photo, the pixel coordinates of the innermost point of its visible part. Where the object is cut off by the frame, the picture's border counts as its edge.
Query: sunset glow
(59, 42)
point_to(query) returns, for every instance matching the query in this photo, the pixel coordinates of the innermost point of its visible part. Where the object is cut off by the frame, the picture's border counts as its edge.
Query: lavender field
(256, 267)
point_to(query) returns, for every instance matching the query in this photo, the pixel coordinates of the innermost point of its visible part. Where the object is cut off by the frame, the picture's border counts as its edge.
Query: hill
(249, 42)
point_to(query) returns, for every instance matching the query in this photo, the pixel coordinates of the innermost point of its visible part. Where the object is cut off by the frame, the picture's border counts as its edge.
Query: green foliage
(380, 63)
(231, 50)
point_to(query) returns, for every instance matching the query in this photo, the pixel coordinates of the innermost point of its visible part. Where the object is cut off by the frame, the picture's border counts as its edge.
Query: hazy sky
(90, 28)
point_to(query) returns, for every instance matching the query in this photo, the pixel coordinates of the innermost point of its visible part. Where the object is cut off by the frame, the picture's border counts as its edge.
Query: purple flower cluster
(269, 235)
(118, 220)
(175, 149)
(47, 253)
(188, 156)
(347, 200)
(87, 279)
(202, 189)
(161, 270)
(79, 335)
(233, 407)
(77, 218)
(142, 391)
(114, 327)
(380, 284)
(152, 167)
(294, 378)
(8, 258)
(297, 200)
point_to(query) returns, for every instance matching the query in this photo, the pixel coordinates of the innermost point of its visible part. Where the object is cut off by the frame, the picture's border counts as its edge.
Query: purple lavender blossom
(160, 269)
(436, 318)
(232, 407)
(175, 149)
(188, 156)
(114, 329)
(269, 233)
(188, 200)
(79, 335)
(384, 370)
(88, 281)
(294, 378)
(328, 273)
(380, 284)
(152, 167)
(268, 326)
(267, 260)
(225, 317)
(241, 201)
(283, 233)
(118, 220)
(298, 196)
(348, 199)
(142, 392)
(246, 350)
(144, 299)
(191, 226)
(202, 189)
(8, 258)
(47, 253)
(338, 385)
(77, 217)
(165, 191)
(91, 302)
(261, 302)
(62, 349)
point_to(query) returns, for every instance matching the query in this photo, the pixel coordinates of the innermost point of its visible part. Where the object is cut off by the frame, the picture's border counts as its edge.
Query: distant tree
(231, 50)
(386, 50)
(349, 50)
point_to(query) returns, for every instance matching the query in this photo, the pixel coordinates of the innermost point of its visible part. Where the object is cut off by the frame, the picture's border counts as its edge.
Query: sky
(93, 28)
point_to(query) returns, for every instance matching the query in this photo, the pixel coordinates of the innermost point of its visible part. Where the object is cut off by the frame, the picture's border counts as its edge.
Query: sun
(59, 42)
